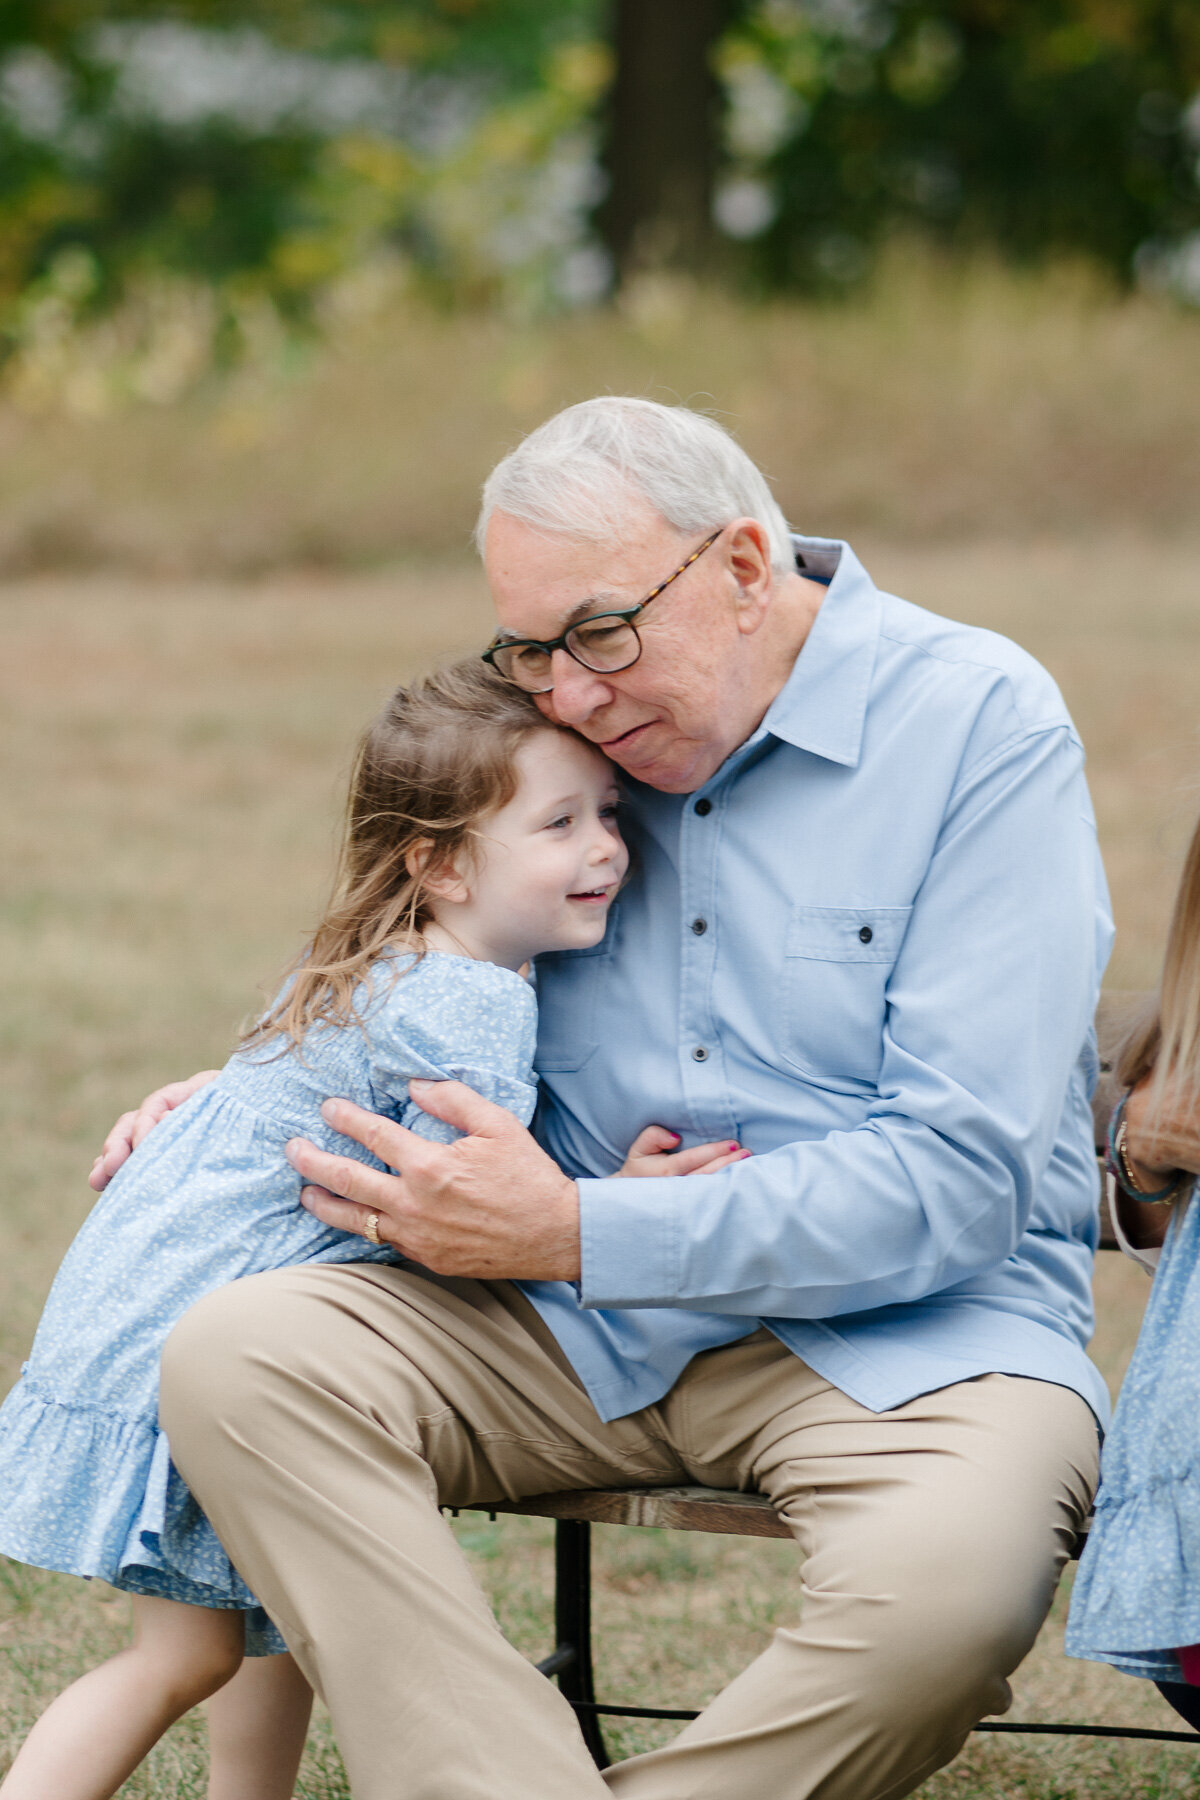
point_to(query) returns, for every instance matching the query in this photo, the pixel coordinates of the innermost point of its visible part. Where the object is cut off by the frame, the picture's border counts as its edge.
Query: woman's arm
(1162, 1135)
(1139, 1227)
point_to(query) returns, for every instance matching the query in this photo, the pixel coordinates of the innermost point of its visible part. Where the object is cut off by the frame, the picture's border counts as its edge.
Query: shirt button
(699, 926)
(704, 807)
(865, 935)
(699, 1054)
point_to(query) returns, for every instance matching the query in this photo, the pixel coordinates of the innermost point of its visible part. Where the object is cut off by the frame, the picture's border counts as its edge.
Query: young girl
(1136, 1600)
(477, 835)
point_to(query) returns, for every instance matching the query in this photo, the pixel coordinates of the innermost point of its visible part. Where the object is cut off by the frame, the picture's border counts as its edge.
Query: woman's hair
(1166, 1039)
(439, 758)
(575, 474)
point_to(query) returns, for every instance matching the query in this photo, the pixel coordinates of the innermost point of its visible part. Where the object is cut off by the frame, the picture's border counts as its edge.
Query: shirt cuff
(1145, 1259)
(628, 1242)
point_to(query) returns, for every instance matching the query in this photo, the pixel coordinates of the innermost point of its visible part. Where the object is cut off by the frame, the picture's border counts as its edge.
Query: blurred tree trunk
(661, 140)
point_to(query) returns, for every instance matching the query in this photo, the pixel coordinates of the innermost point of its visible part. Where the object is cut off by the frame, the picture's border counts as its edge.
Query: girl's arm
(132, 1127)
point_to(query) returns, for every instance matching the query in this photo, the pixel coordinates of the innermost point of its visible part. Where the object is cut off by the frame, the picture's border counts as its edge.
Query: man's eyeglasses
(604, 643)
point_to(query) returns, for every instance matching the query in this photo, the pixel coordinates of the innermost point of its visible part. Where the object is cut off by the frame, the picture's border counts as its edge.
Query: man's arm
(990, 1001)
(491, 1205)
(988, 1007)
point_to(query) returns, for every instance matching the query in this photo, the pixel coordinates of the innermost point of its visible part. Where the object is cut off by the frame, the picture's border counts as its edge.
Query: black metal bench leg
(573, 1628)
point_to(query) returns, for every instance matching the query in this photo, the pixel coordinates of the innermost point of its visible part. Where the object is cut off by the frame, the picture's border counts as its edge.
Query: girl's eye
(558, 824)
(610, 811)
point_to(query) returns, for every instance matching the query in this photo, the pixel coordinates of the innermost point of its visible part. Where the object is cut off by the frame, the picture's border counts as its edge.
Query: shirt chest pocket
(568, 988)
(837, 962)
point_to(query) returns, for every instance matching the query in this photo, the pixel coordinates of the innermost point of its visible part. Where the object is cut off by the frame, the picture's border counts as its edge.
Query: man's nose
(577, 692)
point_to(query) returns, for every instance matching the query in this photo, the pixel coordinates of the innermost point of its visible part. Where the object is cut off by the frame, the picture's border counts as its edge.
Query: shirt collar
(822, 705)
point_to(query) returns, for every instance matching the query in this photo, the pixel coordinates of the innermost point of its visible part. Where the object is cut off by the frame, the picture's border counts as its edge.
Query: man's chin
(672, 769)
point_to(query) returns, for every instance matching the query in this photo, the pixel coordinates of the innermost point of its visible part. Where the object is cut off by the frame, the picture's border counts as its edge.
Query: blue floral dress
(1137, 1591)
(86, 1480)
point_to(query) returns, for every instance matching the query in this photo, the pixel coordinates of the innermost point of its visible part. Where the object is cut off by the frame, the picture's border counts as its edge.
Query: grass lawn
(175, 755)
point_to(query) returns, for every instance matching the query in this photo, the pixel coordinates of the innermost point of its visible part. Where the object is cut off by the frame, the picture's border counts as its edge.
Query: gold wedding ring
(371, 1230)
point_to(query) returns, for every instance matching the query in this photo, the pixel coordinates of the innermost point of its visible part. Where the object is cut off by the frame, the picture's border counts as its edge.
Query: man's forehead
(542, 585)
(552, 619)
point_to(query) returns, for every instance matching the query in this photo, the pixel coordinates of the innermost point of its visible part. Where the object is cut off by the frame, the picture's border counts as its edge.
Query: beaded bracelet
(1117, 1162)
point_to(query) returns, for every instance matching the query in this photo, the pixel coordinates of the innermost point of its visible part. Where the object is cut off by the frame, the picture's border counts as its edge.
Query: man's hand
(654, 1152)
(491, 1205)
(1161, 1138)
(132, 1127)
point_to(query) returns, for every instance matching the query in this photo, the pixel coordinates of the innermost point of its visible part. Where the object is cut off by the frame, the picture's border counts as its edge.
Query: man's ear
(749, 556)
(443, 879)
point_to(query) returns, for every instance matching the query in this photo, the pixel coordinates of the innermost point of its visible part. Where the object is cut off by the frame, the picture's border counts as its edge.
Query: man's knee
(208, 1359)
(948, 1649)
(236, 1344)
(251, 1360)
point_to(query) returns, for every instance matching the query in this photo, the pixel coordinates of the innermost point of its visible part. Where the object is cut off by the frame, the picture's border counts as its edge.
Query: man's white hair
(575, 475)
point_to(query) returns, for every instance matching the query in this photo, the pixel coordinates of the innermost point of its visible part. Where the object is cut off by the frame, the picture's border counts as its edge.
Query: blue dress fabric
(86, 1480)
(1137, 1591)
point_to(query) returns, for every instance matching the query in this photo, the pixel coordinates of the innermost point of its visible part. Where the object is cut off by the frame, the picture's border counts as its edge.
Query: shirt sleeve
(988, 1005)
(453, 1020)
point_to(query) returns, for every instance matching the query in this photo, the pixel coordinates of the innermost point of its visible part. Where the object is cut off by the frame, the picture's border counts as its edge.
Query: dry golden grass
(948, 402)
(175, 752)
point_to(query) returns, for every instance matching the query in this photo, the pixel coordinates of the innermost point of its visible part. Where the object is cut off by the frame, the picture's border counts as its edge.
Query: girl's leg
(257, 1725)
(98, 1730)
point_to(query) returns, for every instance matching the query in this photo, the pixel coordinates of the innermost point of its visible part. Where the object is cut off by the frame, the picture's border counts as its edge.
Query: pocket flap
(862, 934)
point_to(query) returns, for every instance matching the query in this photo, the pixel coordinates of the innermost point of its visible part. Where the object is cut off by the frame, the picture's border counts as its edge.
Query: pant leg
(320, 1415)
(931, 1539)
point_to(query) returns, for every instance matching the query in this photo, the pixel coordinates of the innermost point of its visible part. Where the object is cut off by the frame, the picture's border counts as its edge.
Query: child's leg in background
(257, 1725)
(98, 1730)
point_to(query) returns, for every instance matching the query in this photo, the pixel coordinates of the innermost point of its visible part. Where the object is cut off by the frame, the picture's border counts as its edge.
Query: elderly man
(864, 938)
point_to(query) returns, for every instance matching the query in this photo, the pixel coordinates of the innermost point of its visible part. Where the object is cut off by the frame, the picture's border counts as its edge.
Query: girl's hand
(132, 1127)
(654, 1152)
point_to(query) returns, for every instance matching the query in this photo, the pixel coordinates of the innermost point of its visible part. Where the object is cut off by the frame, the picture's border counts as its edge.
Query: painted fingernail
(745, 1154)
(678, 1137)
(733, 1146)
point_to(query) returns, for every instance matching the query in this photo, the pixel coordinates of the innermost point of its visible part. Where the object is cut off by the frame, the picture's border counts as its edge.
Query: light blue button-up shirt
(869, 948)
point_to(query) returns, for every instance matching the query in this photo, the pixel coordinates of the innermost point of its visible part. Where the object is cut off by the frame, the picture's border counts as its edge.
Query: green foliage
(1037, 126)
(105, 183)
(455, 144)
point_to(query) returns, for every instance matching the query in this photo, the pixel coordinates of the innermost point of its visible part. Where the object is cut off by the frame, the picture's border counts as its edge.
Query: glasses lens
(526, 665)
(605, 644)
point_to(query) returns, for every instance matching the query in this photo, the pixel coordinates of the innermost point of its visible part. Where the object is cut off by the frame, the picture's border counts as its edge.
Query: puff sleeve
(448, 1018)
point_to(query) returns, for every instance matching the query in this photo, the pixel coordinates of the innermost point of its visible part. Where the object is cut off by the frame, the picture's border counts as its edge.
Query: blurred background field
(175, 754)
(949, 400)
(279, 282)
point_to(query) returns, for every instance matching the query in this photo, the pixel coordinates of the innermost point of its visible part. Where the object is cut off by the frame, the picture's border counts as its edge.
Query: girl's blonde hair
(1166, 1039)
(439, 758)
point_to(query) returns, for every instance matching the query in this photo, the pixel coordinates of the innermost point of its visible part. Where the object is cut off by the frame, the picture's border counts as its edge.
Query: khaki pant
(320, 1415)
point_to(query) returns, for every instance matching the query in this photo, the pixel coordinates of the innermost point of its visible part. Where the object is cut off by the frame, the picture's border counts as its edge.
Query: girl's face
(546, 868)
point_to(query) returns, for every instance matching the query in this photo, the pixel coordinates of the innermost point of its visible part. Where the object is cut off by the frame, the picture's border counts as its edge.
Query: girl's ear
(443, 879)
